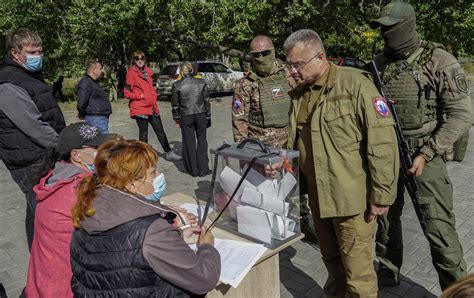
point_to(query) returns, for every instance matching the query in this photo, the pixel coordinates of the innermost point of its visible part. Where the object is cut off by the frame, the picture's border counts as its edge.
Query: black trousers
(23, 177)
(194, 129)
(157, 125)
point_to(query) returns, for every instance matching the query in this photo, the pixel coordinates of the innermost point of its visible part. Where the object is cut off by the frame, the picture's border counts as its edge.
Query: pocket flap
(338, 112)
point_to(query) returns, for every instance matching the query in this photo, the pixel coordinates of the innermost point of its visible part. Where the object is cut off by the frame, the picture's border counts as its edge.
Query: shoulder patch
(461, 82)
(381, 106)
(237, 105)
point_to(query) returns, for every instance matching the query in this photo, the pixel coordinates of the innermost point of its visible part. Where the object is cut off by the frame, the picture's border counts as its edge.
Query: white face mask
(159, 187)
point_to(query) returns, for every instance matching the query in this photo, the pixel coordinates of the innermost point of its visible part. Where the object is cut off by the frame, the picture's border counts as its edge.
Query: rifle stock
(411, 182)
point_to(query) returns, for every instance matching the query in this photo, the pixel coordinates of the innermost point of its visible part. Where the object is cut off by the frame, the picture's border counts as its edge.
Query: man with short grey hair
(345, 134)
(30, 118)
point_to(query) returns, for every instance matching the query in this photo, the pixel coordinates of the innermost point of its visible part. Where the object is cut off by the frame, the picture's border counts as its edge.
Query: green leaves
(74, 30)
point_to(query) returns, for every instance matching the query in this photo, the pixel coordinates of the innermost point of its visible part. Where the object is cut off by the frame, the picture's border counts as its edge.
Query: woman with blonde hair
(126, 245)
(139, 89)
(192, 113)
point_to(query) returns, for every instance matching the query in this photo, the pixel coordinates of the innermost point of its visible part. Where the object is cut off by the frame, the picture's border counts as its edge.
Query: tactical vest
(274, 102)
(409, 87)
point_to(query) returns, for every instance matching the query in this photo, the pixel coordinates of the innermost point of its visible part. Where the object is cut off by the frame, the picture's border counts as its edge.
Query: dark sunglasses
(261, 54)
(138, 58)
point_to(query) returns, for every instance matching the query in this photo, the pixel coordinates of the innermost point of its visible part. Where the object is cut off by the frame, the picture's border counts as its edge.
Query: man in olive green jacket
(345, 134)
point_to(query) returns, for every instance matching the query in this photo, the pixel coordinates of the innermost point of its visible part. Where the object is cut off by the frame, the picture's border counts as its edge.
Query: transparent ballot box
(256, 192)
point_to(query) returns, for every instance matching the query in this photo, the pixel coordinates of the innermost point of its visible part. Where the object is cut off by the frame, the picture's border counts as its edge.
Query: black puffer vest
(111, 264)
(16, 149)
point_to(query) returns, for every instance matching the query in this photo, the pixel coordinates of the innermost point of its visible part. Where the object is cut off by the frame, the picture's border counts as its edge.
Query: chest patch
(381, 106)
(277, 92)
(237, 105)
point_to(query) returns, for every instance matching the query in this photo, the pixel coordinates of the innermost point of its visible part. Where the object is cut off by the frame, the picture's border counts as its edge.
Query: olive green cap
(393, 13)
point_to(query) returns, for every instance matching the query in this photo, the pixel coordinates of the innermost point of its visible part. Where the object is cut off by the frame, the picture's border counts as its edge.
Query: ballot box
(256, 192)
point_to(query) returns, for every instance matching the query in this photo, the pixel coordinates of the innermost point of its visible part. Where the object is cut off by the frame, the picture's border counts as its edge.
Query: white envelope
(229, 180)
(287, 184)
(269, 188)
(254, 222)
(257, 199)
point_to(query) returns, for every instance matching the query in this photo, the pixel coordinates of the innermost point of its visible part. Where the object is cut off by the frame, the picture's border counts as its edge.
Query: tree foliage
(74, 30)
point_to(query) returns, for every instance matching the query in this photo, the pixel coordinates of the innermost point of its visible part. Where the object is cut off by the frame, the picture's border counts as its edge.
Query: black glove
(208, 122)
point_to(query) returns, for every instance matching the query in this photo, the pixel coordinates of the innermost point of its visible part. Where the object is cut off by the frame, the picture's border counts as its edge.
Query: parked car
(346, 61)
(219, 78)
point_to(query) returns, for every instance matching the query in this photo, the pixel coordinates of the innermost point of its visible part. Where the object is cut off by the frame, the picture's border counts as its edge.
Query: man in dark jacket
(30, 118)
(92, 101)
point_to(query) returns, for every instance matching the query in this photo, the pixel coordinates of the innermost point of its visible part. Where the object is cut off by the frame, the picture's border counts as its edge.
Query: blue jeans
(23, 177)
(99, 121)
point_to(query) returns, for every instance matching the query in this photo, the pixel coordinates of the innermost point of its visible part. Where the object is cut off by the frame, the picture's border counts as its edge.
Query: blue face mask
(159, 187)
(91, 167)
(33, 63)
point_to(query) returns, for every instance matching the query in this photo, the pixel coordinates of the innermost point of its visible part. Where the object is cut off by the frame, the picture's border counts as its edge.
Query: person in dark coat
(192, 113)
(30, 118)
(92, 101)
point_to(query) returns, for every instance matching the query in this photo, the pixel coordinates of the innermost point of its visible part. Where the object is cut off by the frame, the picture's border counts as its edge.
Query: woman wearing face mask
(125, 245)
(72, 159)
(139, 89)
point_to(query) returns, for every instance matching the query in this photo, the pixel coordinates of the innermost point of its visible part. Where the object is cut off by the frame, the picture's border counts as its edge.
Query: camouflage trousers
(436, 200)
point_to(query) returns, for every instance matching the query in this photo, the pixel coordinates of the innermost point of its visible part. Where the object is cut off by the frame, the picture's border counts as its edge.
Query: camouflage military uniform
(247, 101)
(431, 96)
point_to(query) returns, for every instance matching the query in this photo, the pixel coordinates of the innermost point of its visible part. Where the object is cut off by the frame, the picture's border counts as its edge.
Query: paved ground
(301, 269)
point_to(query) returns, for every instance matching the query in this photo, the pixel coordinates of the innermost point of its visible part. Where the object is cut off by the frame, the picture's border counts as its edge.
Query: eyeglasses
(139, 58)
(261, 54)
(300, 65)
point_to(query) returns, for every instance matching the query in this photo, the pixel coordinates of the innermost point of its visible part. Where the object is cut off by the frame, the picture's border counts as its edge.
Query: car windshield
(169, 70)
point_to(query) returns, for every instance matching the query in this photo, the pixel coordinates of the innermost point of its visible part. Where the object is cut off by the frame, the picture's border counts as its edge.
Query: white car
(219, 78)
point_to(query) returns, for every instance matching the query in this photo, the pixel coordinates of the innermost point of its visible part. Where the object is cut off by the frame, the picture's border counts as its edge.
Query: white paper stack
(237, 258)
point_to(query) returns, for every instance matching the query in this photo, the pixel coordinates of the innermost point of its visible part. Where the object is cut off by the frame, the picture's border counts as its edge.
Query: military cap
(393, 13)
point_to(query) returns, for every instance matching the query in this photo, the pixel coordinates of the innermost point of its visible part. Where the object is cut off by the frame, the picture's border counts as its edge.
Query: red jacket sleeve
(131, 91)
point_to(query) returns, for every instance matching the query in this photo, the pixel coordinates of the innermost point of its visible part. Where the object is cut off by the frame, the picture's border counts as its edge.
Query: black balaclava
(401, 39)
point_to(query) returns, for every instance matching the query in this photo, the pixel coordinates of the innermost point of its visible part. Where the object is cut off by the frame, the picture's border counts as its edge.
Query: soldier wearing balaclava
(428, 87)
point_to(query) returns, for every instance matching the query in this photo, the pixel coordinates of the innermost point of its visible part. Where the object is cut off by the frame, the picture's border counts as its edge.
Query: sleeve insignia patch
(277, 92)
(381, 106)
(461, 83)
(237, 105)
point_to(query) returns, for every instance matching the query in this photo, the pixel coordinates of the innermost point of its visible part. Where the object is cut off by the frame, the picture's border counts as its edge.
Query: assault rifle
(411, 183)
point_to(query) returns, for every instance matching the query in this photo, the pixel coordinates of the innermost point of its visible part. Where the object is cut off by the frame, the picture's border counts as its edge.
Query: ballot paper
(287, 184)
(254, 222)
(237, 258)
(195, 209)
(229, 180)
(281, 227)
(260, 200)
(269, 188)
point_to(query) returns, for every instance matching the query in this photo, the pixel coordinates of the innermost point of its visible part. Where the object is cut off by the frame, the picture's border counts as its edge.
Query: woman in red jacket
(140, 91)
(72, 159)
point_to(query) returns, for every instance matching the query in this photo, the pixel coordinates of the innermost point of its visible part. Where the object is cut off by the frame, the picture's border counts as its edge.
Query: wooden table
(263, 280)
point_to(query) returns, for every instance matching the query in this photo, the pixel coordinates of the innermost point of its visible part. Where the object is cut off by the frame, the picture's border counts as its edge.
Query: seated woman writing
(126, 245)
